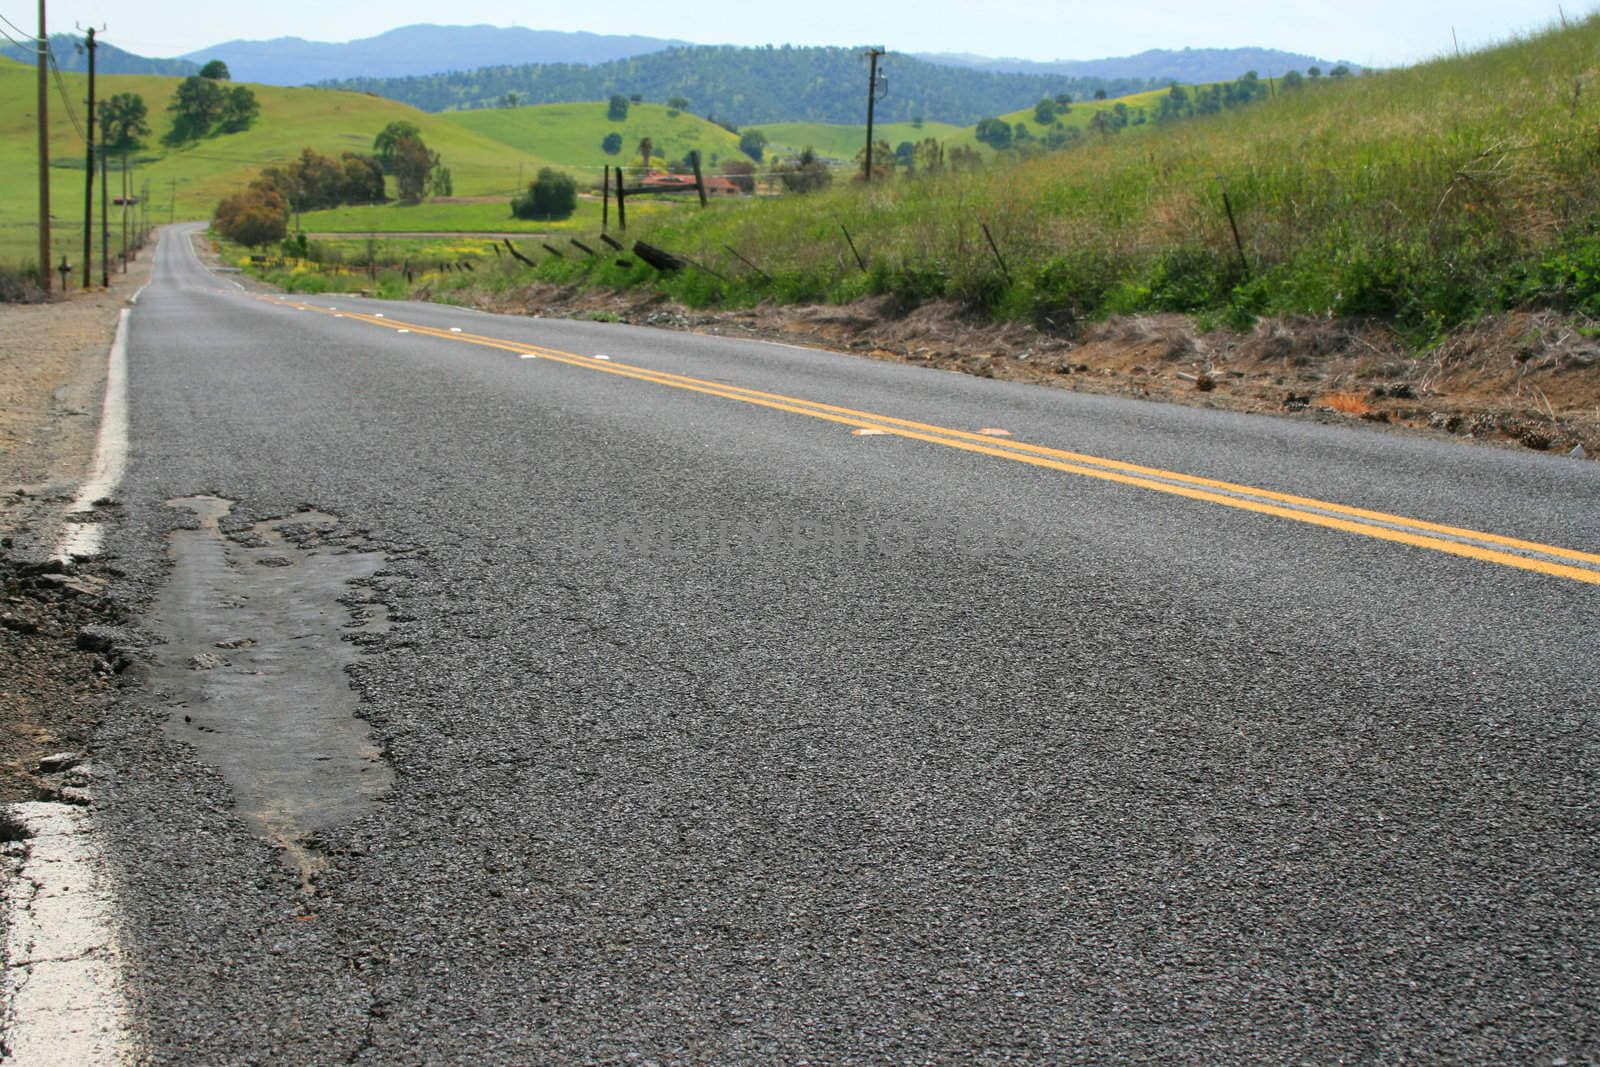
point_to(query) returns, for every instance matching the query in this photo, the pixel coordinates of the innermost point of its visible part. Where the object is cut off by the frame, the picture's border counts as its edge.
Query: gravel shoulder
(55, 658)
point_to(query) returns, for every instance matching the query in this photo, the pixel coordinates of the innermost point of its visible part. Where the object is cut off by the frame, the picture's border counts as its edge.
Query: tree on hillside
(753, 143)
(123, 122)
(440, 183)
(1044, 112)
(312, 181)
(239, 110)
(1341, 71)
(389, 137)
(1293, 80)
(216, 71)
(676, 104)
(363, 179)
(996, 133)
(195, 107)
(612, 143)
(413, 167)
(617, 108)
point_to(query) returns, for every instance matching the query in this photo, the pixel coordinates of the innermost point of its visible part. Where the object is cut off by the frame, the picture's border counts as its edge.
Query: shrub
(255, 217)
(552, 195)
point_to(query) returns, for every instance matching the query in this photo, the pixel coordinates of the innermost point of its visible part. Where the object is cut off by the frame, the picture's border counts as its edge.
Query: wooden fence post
(859, 261)
(1227, 205)
(998, 258)
(699, 179)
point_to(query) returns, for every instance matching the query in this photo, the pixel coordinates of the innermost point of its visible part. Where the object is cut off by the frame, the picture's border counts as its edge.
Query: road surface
(539, 691)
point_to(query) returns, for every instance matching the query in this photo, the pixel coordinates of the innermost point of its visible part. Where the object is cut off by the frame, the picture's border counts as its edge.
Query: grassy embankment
(1422, 197)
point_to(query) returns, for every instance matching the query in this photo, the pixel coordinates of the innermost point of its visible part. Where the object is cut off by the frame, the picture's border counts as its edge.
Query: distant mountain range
(442, 68)
(421, 49)
(1158, 64)
(109, 59)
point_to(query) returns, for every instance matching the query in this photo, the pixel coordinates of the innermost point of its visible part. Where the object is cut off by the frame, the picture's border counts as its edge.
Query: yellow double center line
(1454, 540)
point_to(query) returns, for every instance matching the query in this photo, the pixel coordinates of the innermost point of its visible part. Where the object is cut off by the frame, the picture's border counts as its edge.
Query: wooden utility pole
(88, 178)
(872, 101)
(105, 223)
(44, 154)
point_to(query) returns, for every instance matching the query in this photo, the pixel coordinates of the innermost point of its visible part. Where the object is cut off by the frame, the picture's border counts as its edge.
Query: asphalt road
(720, 733)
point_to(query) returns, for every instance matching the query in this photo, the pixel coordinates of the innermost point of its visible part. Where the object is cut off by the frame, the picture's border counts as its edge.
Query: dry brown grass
(1347, 403)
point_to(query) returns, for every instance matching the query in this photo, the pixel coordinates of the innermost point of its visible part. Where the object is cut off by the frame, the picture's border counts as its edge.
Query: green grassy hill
(188, 182)
(570, 134)
(843, 142)
(1422, 197)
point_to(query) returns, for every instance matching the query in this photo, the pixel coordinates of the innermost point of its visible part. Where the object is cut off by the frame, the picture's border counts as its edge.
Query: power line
(19, 29)
(61, 88)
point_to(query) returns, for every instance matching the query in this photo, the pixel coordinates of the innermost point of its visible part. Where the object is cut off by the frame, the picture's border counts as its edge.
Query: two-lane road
(721, 701)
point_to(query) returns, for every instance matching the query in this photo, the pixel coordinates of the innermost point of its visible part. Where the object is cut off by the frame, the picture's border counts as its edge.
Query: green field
(188, 182)
(1422, 197)
(843, 142)
(570, 134)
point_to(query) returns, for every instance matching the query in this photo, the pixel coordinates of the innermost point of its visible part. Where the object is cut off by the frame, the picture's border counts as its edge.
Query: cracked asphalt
(720, 734)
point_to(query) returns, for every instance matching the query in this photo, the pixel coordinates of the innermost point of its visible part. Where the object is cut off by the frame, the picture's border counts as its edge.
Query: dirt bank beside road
(1527, 380)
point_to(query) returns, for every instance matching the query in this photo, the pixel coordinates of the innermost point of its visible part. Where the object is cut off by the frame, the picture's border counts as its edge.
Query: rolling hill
(570, 134)
(187, 182)
(749, 86)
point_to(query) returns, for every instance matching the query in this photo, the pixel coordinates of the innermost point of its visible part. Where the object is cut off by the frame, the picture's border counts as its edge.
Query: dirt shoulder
(57, 622)
(1528, 380)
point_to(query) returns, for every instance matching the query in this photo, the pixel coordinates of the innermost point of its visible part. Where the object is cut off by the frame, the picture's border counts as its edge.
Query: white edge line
(63, 1001)
(82, 539)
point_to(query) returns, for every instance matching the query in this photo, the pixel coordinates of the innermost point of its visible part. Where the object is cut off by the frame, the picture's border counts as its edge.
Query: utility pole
(126, 195)
(105, 224)
(88, 178)
(44, 154)
(872, 100)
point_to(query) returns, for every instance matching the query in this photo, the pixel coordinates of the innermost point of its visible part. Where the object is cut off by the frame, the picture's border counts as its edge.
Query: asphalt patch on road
(259, 620)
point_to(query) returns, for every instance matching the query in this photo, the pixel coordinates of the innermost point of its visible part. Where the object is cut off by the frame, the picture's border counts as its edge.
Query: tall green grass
(1424, 197)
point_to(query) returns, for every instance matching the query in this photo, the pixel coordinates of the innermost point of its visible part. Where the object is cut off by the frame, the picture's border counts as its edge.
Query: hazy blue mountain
(1158, 64)
(421, 49)
(109, 59)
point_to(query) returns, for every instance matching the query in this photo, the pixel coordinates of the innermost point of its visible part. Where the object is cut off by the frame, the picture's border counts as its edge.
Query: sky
(1369, 32)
